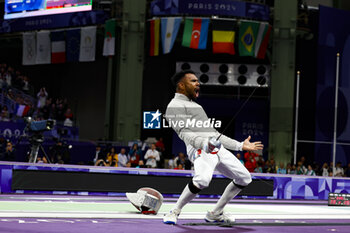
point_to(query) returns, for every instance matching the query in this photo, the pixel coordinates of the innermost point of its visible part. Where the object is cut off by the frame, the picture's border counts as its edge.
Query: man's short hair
(179, 75)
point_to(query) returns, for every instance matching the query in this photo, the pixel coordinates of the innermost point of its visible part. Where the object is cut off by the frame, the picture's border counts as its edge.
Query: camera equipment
(35, 130)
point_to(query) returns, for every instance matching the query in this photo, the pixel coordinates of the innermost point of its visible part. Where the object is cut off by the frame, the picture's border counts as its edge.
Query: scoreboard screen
(28, 8)
(338, 199)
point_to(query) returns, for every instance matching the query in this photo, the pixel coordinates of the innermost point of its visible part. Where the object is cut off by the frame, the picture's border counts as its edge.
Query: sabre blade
(245, 102)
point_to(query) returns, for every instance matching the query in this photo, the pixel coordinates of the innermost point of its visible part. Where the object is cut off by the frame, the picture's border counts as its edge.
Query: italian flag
(22, 110)
(195, 33)
(109, 41)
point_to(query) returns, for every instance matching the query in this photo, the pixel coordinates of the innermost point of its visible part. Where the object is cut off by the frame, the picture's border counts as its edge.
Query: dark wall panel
(109, 182)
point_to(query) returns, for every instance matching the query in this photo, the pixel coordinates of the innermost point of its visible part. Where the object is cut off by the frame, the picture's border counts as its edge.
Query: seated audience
(123, 159)
(112, 158)
(325, 169)
(250, 162)
(293, 170)
(171, 163)
(9, 153)
(152, 157)
(339, 170)
(310, 171)
(347, 170)
(281, 169)
(160, 145)
(239, 157)
(99, 154)
(182, 159)
(134, 160)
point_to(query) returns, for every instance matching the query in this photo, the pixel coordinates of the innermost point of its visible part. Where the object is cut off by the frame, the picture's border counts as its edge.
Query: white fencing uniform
(182, 115)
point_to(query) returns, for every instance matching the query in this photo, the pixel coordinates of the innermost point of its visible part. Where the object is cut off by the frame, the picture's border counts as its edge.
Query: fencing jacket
(191, 123)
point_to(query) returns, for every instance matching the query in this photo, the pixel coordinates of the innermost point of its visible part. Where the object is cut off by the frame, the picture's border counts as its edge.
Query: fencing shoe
(219, 217)
(171, 217)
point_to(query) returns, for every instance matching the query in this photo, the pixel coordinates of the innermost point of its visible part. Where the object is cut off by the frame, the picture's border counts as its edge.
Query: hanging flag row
(253, 37)
(59, 46)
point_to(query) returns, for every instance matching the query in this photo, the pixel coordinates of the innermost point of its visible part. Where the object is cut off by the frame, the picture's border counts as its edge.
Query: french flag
(58, 47)
(22, 110)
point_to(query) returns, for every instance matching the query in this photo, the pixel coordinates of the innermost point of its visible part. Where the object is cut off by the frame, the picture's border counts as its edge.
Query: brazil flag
(247, 36)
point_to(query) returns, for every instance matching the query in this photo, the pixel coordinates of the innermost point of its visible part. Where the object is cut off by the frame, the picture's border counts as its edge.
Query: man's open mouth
(197, 92)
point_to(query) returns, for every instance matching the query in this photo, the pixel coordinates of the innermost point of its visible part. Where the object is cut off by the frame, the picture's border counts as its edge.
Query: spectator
(160, 145)
(2, 146)
(52, 111)
(45, 110)
(281, 169)
(135, 148)
(260, 159)
(272, 165)
(2, 83)
(102, 161)
(339, 171)
(9, 154)
(300, 170)
(60, 113)
(267, 167)
(25, 85)
(347, 171)
(330, 168)
(250, 163)
(182, 159)
(68, 114)
(288, 168)
(42, 96)
(239, 157)
(179, 166)
(123, 159)
(5, 115)
(7, 78)
(40, 159)
(98, 154)
(258, 169)
(59, 153)
(310, 171)
(171, 162)
(152, 157)
(112, 158)
(293, 170)
(134, 159)
(302, 164)
(325, 170)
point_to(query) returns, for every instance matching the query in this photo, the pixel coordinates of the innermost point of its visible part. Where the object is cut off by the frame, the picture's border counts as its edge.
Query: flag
(154, 37)
(43, 47)
(224, 36)
(29, 48)
(73, 45)
(262, 40)
(87, 44)
(22, 110)
(109, 41)
(169, 28)
(195, 33)
(58, 47)
(247, 36)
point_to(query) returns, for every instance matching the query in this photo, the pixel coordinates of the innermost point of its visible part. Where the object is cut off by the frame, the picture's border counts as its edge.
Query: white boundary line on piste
(160, 215)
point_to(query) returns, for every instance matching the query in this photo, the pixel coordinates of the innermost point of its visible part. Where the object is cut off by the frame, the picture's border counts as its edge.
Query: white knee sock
(185, 197)
(230, 192)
